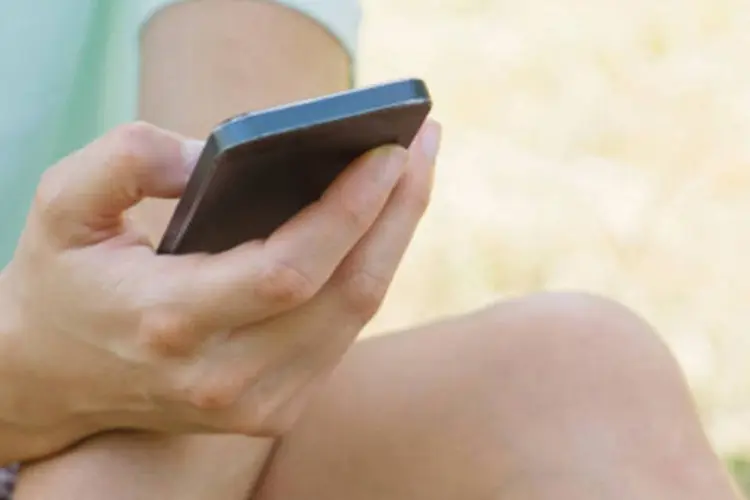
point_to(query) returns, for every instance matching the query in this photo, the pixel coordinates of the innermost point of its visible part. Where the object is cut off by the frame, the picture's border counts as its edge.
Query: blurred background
(599, 145)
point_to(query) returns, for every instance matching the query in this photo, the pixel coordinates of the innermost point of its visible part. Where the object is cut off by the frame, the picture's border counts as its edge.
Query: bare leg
(551, 397)
(555, 397)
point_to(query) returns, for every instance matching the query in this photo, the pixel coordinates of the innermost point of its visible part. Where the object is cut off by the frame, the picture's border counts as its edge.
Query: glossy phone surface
(259, 169)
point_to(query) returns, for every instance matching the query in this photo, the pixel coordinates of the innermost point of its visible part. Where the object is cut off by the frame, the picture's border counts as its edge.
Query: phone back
(255, 175)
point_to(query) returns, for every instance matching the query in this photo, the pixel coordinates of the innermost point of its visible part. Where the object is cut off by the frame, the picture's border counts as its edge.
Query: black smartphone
(259, 169)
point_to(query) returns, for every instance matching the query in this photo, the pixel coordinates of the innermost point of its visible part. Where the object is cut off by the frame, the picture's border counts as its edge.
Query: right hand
(107, 334)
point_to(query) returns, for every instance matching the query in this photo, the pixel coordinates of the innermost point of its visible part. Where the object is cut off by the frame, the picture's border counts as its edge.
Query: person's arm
(202, 61)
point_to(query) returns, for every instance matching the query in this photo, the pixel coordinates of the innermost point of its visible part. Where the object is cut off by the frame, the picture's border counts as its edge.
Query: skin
(549, 397)
(228, 343)
(558, 396)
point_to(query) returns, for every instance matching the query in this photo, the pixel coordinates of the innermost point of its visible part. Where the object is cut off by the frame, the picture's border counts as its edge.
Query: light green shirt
(68, 72)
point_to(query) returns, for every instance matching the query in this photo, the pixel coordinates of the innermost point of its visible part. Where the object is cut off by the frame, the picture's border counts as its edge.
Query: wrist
(13, 437)
(32, 423)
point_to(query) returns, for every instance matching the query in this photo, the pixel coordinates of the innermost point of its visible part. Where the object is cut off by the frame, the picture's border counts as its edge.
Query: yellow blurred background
(599, 145)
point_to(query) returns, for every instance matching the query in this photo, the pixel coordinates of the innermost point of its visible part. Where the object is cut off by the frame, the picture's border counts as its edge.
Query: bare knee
(552, 396)
(563, 383)
(574, 323)
(573, 351)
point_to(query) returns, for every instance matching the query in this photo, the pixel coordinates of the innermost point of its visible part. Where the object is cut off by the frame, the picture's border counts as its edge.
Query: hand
(107, 334)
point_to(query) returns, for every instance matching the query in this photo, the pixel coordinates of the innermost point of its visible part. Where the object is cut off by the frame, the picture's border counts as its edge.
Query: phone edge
(328, 109)
(250, 127)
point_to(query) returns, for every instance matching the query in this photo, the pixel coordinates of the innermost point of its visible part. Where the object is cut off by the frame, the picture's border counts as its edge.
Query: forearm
(202, 62)
(125, 466)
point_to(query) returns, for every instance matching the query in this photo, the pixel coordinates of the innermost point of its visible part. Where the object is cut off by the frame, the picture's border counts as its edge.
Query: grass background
(591, 144)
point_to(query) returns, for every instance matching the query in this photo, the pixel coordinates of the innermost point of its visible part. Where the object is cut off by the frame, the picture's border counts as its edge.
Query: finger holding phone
(105, 333)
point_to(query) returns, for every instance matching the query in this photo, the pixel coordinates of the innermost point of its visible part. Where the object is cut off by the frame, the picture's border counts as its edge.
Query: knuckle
(133, 134)
(129, 143)
(364, 294)
(282, 283)
(352, 212)
(166, 333)
(48, 193)
(219, 394)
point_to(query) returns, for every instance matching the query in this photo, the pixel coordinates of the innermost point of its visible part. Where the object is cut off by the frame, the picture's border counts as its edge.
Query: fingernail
(430, 139)
(191, 152)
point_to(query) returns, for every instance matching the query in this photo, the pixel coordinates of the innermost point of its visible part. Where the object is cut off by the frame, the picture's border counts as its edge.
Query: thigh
(553, 397)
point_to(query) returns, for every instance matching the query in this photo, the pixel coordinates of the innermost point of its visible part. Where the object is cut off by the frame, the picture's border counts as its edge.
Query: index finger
(88, 191)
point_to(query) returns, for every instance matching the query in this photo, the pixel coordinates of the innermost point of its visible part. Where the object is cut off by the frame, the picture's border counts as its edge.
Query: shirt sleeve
(341, 18)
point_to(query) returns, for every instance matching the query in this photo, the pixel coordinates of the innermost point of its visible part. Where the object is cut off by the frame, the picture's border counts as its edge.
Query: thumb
(84, 196)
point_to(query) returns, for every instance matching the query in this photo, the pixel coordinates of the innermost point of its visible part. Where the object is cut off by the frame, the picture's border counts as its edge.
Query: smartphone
(259, 169)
